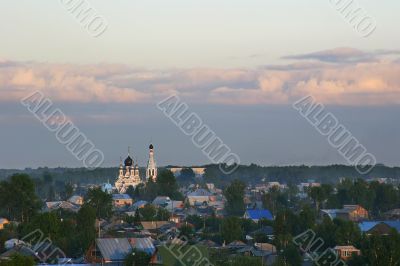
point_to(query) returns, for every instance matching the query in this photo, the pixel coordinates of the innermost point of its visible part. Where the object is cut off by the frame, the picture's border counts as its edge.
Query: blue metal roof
(259, 214)
(368, 225)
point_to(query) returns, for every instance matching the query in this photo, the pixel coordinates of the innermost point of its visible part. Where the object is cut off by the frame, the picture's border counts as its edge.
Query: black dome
(128, 161)
(151, 147)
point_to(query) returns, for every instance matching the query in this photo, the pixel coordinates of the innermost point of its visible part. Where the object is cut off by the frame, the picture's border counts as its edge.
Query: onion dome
(128, 161)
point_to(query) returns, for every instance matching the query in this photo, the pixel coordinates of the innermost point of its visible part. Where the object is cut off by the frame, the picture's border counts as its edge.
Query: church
(129, 172)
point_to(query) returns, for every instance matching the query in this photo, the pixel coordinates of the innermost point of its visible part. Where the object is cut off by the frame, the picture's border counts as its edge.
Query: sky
(239, 65)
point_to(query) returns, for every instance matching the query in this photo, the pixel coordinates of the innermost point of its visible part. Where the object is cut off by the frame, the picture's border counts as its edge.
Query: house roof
(75, 199)
(153, 224)
(114, 249)
(20, 249)
(201, 192)
(236, 244)
(346, 248)
(121, 197)
(143, 244)
(266, 230)
(259, 214)
(66, 205)
(368, 225)
(139, 203)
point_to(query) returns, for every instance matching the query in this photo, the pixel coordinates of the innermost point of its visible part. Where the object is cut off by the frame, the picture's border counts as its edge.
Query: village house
(379, 227)
(113, 251)
(121, 200)
(345, 252)
(353, 213)
(199, 197)
(64, 205)
(256, 215)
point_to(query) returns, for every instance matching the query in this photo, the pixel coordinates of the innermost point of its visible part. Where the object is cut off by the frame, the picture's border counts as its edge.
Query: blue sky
(239, 64)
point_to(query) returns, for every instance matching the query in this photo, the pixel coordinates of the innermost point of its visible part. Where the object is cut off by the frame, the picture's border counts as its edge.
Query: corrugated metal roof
(368, 225)
(114, 249)
(143, 244)
(259, 214)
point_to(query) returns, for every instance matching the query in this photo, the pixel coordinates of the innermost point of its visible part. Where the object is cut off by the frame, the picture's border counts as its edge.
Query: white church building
(129, 172)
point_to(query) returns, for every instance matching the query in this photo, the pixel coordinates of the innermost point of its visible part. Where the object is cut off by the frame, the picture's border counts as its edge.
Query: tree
(149, 192)
(18, 200)
(86, 228)
(148, 212)
(186, 176)
(232, 229)
(137, 219)
(186, 230)
(68, 191)
(163, 214)
(306, 219)
(234, 195)
(167, 185)
(131, 192)
(137, 258)
(196, 220)
(318, 195)
(18, 260)
(47, 178)
(49, 223)
(100, 201)
(291, 255)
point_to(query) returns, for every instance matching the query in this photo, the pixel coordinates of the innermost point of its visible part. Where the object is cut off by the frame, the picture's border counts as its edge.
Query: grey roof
(121, 196)
(143, 244)
(199, 192)
(114, 249)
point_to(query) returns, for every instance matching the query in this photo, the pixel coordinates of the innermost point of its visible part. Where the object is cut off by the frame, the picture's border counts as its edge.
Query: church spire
(151, 171)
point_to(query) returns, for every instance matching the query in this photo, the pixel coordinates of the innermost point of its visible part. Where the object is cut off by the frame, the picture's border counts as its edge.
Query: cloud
(343, 55)
(367, 82)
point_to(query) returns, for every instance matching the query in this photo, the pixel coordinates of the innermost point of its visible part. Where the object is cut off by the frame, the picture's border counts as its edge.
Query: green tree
(163, 214)
(186, 230)
(49, 223)
(18, 260)
(100, 201)
(18, 200)
(137, 258)
(131, 192)
(318, 195)
(291, 255)
(68, 191)
(137, 219)
(196, 220)
(167, 185)
(148, 212)
(232, 229)
(234, 195)
(86, 227)
(47, 178)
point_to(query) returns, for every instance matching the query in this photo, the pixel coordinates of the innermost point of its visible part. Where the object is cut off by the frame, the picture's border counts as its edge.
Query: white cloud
(363, 83)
